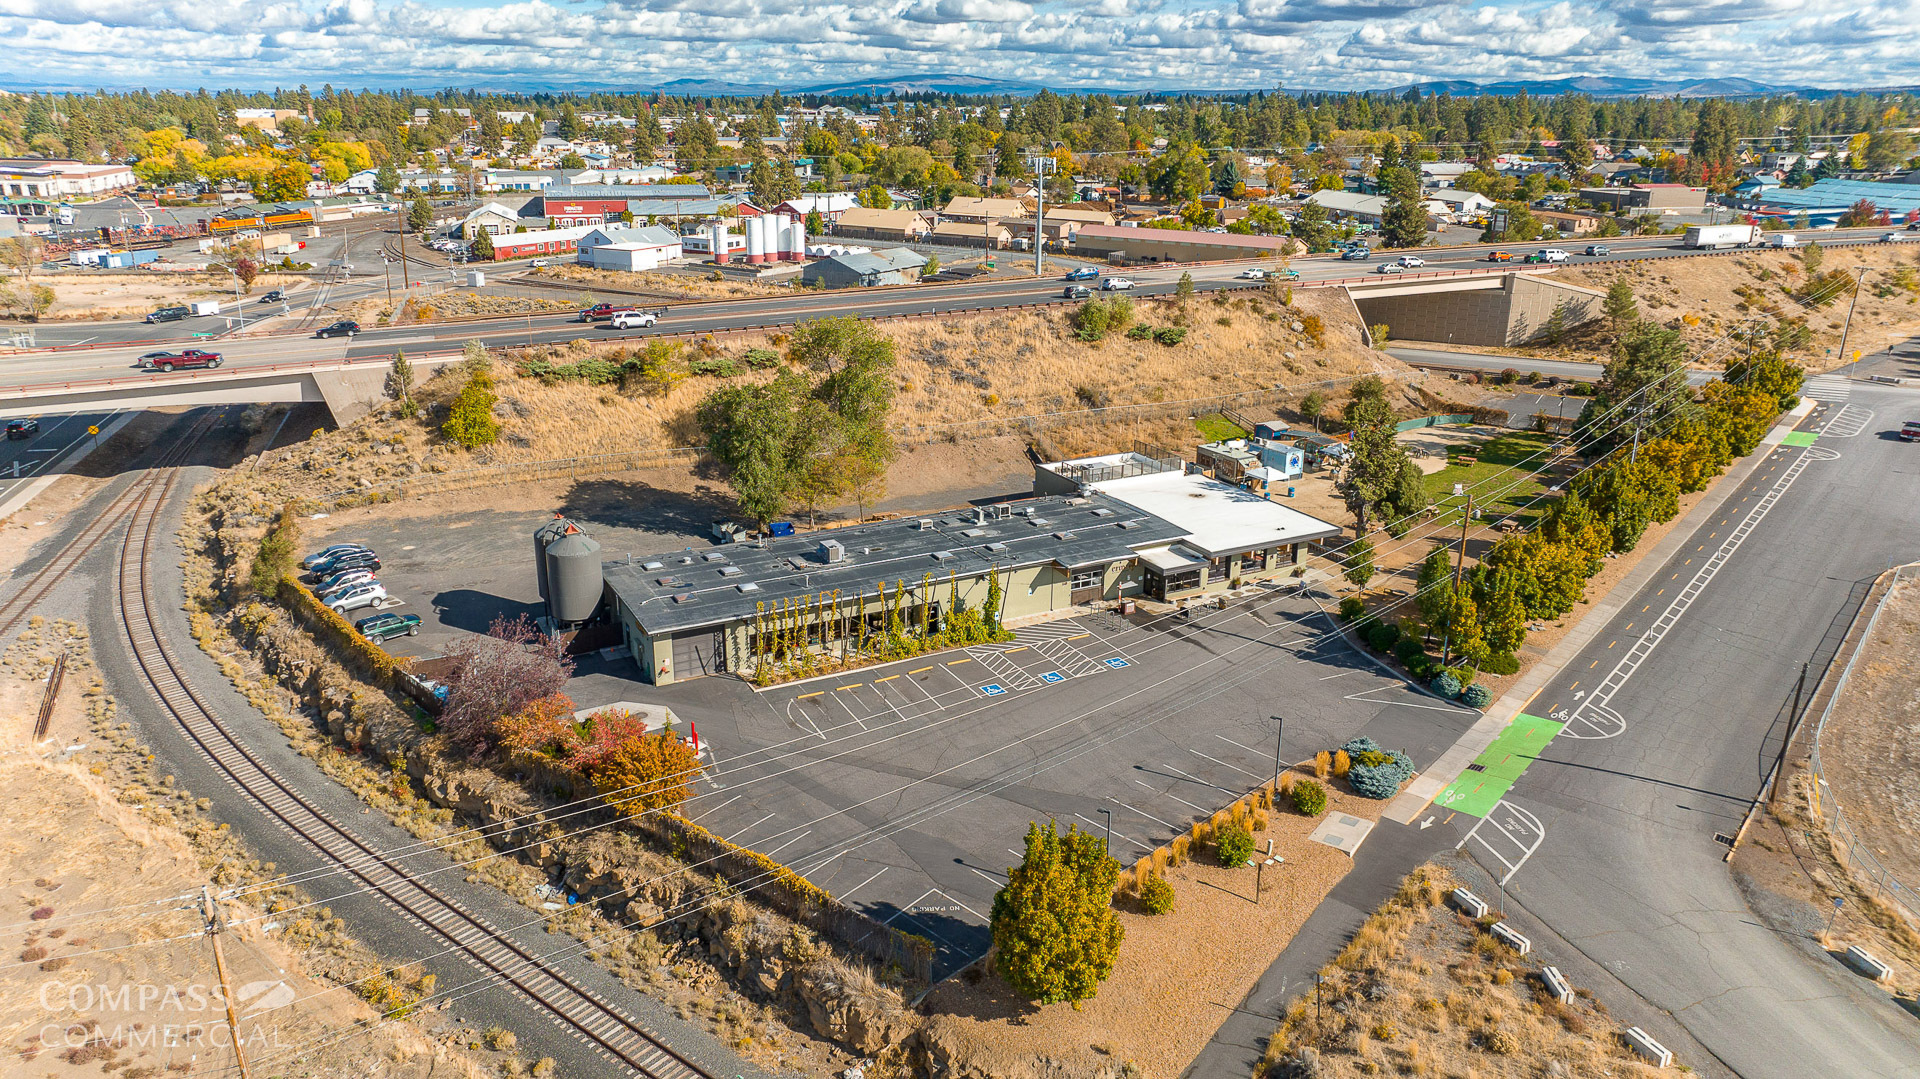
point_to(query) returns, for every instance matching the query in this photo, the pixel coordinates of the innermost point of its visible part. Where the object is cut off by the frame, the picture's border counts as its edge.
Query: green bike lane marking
(1499, 766)
(1798, 438)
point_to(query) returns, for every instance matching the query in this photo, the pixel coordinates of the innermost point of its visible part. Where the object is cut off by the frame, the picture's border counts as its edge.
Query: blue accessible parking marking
(1053, 676)
(1116, 663)
(993, 689)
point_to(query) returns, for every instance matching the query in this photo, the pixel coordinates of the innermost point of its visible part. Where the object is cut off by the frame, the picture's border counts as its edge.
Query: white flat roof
(1165, 558)
(1219, 518)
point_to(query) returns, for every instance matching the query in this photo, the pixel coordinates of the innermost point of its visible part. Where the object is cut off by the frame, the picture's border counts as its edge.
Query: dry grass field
(85, 297)
(1423, 991)
(667, 285)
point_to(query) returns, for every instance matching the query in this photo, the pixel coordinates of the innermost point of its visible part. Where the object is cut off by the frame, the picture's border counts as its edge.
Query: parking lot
(905, 789)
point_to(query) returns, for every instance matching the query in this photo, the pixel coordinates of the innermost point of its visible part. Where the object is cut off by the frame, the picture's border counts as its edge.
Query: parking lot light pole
(1279, 730)
(1109, 815)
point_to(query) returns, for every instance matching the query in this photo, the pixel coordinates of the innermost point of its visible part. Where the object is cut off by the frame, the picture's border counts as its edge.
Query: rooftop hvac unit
(653, 565)
(729, 571)
(979, 515)
(832, 551)
(923, 523)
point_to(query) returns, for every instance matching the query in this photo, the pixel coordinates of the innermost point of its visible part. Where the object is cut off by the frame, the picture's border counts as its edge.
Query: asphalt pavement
(23, 460)
(1674, 712)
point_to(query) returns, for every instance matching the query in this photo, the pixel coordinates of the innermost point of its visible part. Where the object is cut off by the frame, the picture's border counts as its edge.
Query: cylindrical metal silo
(573, 577)
(799, 247)
(718, 234)
(770, 237)
(545, 534)
(756, 239)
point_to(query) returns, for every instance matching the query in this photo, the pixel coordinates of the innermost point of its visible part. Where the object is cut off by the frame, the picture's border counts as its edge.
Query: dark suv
(343, 328)
(169, 314)
(349, 560)
(22, 429)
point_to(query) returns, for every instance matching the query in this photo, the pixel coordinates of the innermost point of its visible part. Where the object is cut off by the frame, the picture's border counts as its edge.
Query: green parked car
(384, 626)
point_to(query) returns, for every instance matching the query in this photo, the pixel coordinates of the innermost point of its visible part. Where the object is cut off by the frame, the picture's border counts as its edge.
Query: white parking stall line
(1224, 764)
(849, 709)
(1602, 694)
(843, 895)
(735, 837)
(909, 906)
(788, 843)
(1242, 745)
(1102, 826)
(1202, 782)
(712, 809)
(1203, 811)
(1144, 813)
(995, 881)
(1848, 422)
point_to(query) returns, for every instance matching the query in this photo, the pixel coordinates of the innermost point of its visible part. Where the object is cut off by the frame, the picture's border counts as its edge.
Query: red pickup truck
(601, 311)
(167, 361)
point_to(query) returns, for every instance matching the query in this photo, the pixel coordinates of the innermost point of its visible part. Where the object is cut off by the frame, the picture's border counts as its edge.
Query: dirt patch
(92, 297)
(101, 879)
(1174, 973)
(453, 303)
(1422, 990)
(665, 285)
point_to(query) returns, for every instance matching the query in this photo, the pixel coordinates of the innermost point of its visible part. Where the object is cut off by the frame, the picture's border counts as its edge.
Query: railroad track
(617, 1037)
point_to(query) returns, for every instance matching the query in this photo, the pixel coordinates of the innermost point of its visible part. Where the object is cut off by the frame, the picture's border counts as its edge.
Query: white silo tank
(755, 239)
(776, 238)
(718, 236)
(799, 247)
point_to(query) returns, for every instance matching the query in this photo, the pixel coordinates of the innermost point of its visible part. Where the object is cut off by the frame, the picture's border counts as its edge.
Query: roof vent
(729, 571)
(1126, 524)
(1063, 535)
(1041, 522)
(942, 556)
(974, 532)
(714, 556)
(996, 547)
(748, 586)
(653, 565)
(669, 582)
(687, 561)
(1103, 512)
(684, 597)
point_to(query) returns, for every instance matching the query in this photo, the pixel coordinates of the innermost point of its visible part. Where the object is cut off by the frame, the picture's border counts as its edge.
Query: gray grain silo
(573, 578)
(542, 536)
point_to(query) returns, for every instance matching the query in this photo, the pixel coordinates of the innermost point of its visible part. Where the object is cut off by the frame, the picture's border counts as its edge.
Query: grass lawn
(1217, 428)
(1502, 482)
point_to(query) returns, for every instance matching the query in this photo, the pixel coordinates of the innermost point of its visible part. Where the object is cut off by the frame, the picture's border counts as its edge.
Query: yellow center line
(956, 662)
(891, 677)
(1082, 637)
(1592, 665)
(1575, 685)
(1610, 644)
(1643, 610)
(917, 670)
(1011, 651)
(804, 696)
(1660, 593)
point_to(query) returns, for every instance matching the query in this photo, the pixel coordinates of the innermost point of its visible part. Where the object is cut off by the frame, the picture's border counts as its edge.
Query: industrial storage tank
(574, 584)
(756, 239)
(542, 536)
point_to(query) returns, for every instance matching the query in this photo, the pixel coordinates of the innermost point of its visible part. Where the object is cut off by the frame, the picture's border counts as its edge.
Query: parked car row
(344, 578)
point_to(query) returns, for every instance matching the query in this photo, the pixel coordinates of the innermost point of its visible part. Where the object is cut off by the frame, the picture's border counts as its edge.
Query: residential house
(493, 219)
(990, 234)
(1569, 222)
(981, 210)
(829, 205)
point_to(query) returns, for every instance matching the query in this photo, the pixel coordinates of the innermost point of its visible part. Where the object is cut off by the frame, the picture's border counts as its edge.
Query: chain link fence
(1849, 847)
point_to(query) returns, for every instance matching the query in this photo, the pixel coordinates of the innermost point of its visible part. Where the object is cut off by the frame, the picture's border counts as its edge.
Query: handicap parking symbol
(993, 689)
(1116, 663)
(1053, 676)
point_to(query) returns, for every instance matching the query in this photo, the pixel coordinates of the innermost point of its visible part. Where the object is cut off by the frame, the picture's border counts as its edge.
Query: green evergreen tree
(1620, 305)
(1404, 221)
(482, 248)
(1055, 932)
(419, 214)
(1503, 621)
(470, 420)
(386, 179)
(1358, 562)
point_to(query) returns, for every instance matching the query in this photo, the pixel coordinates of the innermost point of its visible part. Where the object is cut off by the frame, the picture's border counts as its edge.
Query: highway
(22, 460)
(1671, 731)
(25, 369)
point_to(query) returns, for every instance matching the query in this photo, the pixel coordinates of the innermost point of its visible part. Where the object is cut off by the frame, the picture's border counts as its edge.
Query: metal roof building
(1826, 200)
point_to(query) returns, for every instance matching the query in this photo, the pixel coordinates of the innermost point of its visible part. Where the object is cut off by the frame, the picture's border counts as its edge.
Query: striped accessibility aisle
(1498, 767)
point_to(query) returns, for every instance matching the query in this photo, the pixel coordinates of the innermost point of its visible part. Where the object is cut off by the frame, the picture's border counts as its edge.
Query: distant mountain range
(1593, 85)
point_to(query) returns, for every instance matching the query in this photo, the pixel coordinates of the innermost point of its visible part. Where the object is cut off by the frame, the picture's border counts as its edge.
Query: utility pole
(214, 929)
(1042, 165)
(1848, 327)
(1460, 560)
(402, 210)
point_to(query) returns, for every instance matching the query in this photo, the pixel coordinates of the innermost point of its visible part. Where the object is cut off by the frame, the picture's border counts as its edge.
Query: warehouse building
(1140, 527)
(866, 223)
(1124, 243)
(888, 266)
(632, 248)
(1679, 197)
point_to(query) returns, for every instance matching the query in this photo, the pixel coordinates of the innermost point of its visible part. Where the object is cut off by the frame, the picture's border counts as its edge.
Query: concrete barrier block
(1511, 937)
(1861, 960)
(1470, 905)
(1557, 984)
(1643, 1043)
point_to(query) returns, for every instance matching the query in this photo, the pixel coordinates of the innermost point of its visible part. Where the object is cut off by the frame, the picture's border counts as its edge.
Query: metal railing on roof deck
(1136, 464)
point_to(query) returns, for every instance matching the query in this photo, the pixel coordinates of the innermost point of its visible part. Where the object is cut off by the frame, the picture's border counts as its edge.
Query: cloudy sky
(586, 44)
